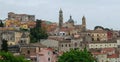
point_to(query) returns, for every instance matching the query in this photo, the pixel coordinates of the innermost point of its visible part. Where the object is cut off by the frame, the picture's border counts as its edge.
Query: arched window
(92, 39)
(98, 39)
(28, 52)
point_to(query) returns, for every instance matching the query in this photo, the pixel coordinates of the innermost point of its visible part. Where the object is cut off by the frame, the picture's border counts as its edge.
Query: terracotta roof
(113, 56)
(102, 51)
(108, 49)
(66, 29)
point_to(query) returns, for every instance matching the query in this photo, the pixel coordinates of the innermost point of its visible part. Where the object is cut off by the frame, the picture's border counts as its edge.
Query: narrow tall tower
(60, 18)
(83, 23)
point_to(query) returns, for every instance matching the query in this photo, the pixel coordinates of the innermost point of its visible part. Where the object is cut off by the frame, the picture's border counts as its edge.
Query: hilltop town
(103, 43)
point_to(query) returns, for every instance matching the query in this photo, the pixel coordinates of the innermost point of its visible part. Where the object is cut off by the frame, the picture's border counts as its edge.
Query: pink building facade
(46, 55)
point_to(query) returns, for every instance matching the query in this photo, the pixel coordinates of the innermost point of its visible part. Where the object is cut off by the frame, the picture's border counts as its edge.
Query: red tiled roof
(113, 56)
(103, 51)
(106, 50)
(66, 29)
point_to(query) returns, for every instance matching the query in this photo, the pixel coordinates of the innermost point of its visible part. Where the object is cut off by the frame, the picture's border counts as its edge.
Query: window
(48, 59)
(62, 45)
(98, 39)
(69, 45)
(91, 45)
(63, 33)
(110, 44)
(75, 44)
(92, 39)
(28, 52)
(97, 34)
(66, 45)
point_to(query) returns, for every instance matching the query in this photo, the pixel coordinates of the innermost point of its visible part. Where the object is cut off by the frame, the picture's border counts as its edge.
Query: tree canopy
(8, 57)
(1, 23)
(96, 27)
(76, 56)
(37, 32)
(4, 45)
(106, 29)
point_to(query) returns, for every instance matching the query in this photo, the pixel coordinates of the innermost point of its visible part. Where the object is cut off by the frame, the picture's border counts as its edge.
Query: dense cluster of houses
(103, 44)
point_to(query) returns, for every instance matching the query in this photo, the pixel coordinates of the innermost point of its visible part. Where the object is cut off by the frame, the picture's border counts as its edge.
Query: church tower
(60, 18)
(83, 23)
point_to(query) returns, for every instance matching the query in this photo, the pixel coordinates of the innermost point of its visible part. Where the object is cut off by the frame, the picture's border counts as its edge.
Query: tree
(37, 32)
(107, 29)
(1, 23)
(8, 57)
(96, 27)
(38, 23)
(4, 45)
(76, 56)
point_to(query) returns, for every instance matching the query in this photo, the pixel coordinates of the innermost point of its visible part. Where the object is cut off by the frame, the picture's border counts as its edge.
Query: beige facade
(98, 35)
(66, 45)
(107, 44)
(102, 45)
(14, 37)
(18, 35)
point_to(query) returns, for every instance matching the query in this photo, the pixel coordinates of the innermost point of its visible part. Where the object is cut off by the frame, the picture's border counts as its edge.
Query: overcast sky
(97, 12)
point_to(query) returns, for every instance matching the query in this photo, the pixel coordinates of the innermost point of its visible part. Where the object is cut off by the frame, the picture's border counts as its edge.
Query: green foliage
(1, 23)
(37, 33)
(107, 29)
(4, 45)
(76, 56)
(96, 27)
(38, 23)
(8, 57)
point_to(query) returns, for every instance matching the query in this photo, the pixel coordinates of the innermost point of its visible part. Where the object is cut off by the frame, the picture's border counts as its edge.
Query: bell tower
(60, 18)
(83, 23)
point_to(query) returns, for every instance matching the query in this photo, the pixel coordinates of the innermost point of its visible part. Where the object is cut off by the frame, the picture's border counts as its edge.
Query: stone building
(66, 45)
(98, 35)
(106, 55)
(30, 51)
(98, 45)
(20, 17)
(50, 43)
(25, 39)
(14, 37)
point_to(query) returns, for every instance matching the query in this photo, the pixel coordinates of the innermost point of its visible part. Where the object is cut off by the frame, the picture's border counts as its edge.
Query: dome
(60, 10)
(71, 20)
